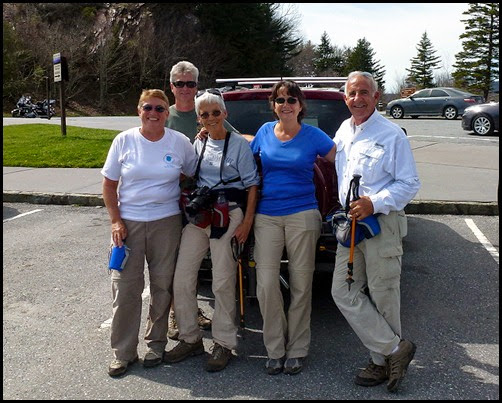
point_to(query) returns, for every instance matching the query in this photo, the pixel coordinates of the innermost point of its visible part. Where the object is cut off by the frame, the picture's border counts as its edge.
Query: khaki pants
(157, 241)
(195, 243)
(372, 306)
(299, 233)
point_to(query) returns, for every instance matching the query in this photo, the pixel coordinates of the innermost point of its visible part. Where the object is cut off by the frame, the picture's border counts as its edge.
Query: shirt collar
(364, 124)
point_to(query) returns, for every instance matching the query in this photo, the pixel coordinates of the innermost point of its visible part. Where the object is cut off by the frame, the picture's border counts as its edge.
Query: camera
(200, 199)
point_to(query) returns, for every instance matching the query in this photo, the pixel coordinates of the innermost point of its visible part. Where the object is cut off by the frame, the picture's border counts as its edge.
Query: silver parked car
(441, 101)
(482, 119)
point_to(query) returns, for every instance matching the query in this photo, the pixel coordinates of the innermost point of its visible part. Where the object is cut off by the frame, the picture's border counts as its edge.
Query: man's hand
(361, 208)
(202, 135)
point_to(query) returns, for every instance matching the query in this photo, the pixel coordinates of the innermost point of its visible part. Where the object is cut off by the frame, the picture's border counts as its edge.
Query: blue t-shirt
(288, 168)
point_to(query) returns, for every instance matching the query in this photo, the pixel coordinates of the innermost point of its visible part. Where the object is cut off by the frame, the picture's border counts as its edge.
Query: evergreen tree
(422, 66)
(361, 58)
(477, 64)
(253, 37)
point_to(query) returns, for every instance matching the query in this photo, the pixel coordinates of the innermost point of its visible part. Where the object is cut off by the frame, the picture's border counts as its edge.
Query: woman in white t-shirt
(145, 216)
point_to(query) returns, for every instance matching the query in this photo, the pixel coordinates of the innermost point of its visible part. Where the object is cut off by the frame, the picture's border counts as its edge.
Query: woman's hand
(119, 232)
(242, 232)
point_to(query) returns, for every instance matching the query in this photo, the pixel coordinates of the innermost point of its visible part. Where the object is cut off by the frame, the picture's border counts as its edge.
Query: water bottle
(221, 216)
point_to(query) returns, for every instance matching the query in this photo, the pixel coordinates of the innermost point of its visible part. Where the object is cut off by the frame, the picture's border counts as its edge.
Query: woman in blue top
(287, 215)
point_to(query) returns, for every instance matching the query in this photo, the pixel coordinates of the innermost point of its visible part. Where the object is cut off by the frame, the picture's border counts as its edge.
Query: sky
(393, 30)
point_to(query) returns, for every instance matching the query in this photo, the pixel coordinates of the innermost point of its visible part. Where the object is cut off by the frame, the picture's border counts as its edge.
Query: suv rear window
(249, 110)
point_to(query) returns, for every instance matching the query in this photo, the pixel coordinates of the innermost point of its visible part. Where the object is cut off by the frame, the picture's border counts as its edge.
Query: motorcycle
(25, 108)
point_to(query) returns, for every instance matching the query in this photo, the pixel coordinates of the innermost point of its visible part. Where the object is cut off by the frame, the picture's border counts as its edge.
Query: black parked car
(482, 119)
(441, 101)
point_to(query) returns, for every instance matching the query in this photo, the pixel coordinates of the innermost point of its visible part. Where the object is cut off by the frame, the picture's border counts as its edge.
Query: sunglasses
(181, 84)
(281, 100)
(215, 113)
(213, 91)
(148, 108)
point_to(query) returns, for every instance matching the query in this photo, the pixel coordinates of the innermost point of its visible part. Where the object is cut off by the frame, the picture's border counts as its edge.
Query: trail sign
(56, 60)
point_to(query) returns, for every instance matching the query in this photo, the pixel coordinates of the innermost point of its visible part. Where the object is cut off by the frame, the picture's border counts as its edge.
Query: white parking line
(107, 323)
(22, 215)
(492, 139)
(482, 239)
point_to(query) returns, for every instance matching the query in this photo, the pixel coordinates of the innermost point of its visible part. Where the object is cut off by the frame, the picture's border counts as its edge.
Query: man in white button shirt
(370, 145)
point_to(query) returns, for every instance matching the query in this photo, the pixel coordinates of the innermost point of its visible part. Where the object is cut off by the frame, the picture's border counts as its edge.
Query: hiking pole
(354, 186)
(241, 295)
(237, 252)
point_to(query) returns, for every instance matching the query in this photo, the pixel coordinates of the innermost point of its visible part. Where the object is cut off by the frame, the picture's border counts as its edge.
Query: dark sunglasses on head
(215, 113)
(148, 108)
(181, 84)
(213, 91)
(290, 100)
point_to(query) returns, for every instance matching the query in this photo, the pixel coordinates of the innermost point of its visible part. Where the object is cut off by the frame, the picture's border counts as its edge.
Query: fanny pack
(341, 224)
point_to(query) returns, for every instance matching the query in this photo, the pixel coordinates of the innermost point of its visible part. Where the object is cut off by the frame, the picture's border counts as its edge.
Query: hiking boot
(372, 375)
(203, 321)
(183, 350)
(152, 358)
(219, 358)
(293, 366)
(119, 367)
(397, 363)
(274, 365)
(173, 331)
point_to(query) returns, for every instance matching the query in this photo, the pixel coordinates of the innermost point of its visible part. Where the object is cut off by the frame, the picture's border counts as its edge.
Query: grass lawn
(43, 146)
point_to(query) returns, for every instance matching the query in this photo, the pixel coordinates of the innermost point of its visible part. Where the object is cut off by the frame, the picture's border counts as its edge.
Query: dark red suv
(249, 108)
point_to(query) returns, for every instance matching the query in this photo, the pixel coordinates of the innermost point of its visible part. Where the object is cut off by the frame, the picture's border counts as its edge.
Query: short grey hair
(182, 68)
(365, 74)
(209, 99)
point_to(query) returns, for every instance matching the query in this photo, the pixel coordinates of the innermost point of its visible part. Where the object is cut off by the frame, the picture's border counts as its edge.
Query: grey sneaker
(293, 366)
(203, 321)
(274, 365)
(183, 350)
(372, 375)
(118, 367)
(219, 358)
(152, 358)
(398, 362)
(173, 331)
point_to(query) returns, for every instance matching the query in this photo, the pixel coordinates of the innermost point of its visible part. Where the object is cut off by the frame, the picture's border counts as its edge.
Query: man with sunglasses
(182, 117)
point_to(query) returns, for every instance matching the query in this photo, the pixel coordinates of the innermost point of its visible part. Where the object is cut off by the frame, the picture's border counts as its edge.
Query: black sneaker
(372, 375)
(398, 362)
(219, 358)
(293, 366)
(274, 365)
(152, 358)
(183, 350)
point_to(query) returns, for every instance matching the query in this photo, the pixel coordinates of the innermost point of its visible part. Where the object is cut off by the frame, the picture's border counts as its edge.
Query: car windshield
(248, 116)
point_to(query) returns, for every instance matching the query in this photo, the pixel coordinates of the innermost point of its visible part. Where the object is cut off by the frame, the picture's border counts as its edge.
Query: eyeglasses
(181, 84)
(214, 91)
(148, 108)
(215, 113)
(281, 100)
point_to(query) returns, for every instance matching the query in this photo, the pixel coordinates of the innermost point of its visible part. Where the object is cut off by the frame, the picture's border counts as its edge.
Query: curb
(415, 206)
